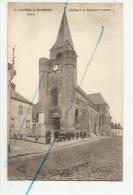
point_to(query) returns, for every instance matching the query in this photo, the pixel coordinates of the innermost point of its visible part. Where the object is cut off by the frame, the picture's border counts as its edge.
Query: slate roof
(97, 98)
(64, 35)
(83, 93)
(17, 96)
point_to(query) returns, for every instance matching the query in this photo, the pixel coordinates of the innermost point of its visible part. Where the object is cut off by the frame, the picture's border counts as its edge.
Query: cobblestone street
(97, 161)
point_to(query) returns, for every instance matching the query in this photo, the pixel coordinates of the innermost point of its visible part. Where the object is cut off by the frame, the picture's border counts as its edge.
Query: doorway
(56, 123)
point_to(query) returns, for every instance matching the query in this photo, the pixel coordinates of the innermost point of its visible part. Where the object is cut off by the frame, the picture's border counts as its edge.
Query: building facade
(116, 129)
(104, 113)
(21, 115)
(62, 104)
(117, 132)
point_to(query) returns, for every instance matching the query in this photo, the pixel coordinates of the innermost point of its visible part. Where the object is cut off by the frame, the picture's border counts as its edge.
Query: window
(54, 95)
(59, 55)
(37, 117)
(76, 114)
(12, 122)
(27, 124)
(20, 110)
(91, 115)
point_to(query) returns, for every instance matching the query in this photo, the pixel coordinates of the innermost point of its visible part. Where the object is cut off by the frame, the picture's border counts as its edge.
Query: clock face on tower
(55, 67)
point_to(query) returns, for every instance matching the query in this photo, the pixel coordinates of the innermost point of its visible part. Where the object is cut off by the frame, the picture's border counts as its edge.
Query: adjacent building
(21, 115)
(116, 129)
(104, 113)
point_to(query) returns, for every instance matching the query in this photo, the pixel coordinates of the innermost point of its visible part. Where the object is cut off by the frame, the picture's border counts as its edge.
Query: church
(63, 105)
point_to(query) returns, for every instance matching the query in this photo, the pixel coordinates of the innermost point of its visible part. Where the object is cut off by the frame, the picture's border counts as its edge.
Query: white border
(65, 188)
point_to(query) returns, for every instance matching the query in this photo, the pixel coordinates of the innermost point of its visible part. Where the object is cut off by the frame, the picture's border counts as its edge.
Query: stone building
(117, 132)
(21, 115)
(116, 129)
(62, 104)
(104, 114)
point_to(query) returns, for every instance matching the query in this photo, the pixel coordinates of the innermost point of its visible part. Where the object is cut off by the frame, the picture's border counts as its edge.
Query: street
(96, 161)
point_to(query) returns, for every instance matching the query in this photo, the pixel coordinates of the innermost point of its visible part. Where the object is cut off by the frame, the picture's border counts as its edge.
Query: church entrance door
(56, 123)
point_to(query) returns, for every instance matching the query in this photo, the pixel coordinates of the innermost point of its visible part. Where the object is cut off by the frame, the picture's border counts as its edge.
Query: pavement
(89, 160)
(23, 148)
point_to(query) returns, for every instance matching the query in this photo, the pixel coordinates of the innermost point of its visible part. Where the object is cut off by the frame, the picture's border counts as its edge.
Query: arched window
(59, 55)
(54, 95)
(91, 115)
(76, 113)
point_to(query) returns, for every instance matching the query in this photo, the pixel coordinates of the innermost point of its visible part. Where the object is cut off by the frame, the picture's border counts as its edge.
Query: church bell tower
(58, 79)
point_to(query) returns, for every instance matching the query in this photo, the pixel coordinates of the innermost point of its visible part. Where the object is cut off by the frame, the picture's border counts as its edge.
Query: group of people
(66, 136)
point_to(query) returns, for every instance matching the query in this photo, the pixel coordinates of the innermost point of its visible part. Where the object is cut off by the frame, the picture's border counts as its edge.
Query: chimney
(13, 86)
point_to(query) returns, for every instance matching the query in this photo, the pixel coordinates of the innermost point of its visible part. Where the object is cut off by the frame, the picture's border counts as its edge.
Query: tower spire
(64, 35)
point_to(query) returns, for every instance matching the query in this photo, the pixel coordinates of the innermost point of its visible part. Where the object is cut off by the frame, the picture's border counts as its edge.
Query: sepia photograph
(65, 92)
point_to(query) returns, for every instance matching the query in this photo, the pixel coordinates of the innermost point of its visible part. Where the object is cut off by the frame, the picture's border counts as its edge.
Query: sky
(34, 35)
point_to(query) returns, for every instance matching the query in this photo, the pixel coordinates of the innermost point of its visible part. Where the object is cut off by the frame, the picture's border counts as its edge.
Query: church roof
(97, 98)
(20, 98)
(83, 93)
(64, 35)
